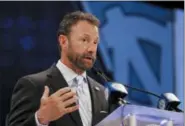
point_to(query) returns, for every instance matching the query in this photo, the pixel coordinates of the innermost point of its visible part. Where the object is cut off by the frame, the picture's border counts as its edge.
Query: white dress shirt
(85, 109)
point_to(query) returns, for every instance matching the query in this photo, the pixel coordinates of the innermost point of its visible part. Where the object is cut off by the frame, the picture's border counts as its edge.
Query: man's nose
(92, 48)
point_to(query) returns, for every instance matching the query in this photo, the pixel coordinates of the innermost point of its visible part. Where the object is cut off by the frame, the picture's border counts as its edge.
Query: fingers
(62, 91)
(71, 109)
(70, 101)
(67, 96)
(58, 104)
(46, 92)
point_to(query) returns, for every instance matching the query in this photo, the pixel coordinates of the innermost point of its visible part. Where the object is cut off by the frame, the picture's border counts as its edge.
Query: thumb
(46, 92)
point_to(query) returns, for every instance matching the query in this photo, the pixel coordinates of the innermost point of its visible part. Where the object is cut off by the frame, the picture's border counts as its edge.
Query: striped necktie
(84, 100)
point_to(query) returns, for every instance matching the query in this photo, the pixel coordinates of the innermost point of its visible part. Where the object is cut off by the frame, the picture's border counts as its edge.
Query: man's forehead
(90, 35)
(85, 30)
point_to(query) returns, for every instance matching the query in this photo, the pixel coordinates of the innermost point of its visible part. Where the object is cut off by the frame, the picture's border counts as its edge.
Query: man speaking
(63, 95)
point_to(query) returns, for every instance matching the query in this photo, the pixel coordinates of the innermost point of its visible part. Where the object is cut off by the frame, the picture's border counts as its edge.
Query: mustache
(89, 56)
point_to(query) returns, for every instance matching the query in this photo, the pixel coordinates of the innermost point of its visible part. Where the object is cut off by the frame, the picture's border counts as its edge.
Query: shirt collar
(68, 73)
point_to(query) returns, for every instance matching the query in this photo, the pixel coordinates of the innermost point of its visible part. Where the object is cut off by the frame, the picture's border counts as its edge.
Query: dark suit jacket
(29, 89)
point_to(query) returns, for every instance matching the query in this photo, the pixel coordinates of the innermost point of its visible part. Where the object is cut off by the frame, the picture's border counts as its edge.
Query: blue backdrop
(139, 46)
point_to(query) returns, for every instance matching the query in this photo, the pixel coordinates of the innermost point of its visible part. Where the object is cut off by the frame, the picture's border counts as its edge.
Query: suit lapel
(98, 102)
(94, 96)
(56, 81)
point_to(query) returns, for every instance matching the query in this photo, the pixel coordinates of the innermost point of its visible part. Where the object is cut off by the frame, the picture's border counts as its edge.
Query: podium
(134, 115)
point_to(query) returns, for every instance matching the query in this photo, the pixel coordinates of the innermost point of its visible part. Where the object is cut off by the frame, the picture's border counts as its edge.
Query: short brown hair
(71, 19)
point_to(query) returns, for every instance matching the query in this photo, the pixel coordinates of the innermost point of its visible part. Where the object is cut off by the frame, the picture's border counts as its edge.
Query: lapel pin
(97, 88)
(103, 112)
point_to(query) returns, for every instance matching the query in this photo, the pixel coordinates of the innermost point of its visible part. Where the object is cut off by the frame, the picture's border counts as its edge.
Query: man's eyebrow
(87, 35)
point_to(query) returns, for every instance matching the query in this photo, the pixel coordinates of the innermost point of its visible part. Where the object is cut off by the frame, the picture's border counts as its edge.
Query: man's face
(82, 45)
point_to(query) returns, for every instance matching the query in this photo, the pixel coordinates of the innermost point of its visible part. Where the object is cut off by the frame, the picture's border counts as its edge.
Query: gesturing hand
(55, 106)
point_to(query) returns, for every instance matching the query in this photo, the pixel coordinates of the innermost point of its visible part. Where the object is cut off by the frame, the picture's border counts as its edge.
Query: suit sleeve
(24, 103)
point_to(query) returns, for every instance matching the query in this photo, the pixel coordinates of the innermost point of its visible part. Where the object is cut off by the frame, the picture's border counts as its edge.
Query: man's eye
(84, 40)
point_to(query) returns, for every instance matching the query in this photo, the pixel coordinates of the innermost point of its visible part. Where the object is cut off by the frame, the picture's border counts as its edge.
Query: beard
(79, 60)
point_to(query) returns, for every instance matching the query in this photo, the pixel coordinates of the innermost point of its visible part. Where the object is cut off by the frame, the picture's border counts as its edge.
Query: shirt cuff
(37, 121)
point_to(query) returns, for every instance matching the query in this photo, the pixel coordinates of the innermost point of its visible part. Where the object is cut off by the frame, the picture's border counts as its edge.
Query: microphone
(101, 74)
(167, 101)
(115, 92)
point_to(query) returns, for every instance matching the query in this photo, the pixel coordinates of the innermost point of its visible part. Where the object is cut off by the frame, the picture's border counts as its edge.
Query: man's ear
(63, 41)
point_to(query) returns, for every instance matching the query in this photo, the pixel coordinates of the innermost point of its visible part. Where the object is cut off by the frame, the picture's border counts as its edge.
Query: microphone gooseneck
(170, 102)
(100, 73)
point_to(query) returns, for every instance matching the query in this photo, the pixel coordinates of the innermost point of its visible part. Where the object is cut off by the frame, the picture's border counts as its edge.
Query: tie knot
(79, 80)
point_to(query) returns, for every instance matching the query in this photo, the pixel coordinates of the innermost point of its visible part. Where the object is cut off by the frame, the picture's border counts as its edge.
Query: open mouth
(88, 58)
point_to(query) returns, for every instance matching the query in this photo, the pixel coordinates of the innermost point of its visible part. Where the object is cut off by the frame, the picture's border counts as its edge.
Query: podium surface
(143, 116)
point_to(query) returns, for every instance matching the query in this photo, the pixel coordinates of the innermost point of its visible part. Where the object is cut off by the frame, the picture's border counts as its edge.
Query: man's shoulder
(37, 77)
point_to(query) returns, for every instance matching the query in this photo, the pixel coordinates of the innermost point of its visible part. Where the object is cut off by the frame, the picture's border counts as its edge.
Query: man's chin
(87, 66)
